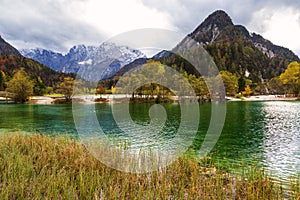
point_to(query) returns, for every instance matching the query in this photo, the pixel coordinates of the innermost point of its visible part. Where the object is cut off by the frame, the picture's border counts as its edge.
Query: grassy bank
(39, 167)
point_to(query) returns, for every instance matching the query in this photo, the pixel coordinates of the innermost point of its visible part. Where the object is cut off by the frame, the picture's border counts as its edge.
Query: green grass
(42, 167)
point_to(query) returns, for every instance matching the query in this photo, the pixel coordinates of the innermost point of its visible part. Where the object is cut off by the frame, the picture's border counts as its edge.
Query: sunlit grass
(42, 167)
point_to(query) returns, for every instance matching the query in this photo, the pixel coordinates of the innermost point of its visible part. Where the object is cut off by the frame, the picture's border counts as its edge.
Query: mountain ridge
(90, 57)
(254, 37)
(235, 49)
(218, 20)
(207, 31)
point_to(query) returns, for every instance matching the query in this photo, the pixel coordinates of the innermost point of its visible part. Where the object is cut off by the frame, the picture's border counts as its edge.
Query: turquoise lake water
(264, 132)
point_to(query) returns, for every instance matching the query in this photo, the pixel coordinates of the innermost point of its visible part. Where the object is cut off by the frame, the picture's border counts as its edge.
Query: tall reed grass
(43, 167)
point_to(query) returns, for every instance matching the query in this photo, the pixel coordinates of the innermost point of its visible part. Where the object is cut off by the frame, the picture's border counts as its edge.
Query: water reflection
(242, 137)
(140, 138)
(43, 119)
(282, 138)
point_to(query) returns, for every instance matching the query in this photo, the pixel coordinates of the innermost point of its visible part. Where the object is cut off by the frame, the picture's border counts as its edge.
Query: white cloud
(279, 25)
(50, 24)
(60, 24)
(115, 16)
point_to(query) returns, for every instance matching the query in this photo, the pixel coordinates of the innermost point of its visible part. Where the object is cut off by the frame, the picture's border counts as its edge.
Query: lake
(254, 132)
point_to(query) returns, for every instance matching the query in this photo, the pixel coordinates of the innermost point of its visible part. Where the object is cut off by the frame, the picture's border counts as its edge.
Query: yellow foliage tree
(113, 89)
(291, 78)
(2, 80)
(66, 88)
(230, 82)
(21, 86)
(247, 92)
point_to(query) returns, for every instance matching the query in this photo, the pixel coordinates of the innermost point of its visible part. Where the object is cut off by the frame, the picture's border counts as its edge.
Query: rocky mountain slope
(235, 49)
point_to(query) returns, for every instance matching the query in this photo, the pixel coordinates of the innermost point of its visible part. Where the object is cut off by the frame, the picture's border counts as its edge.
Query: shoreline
(264, 98)
(89, 99)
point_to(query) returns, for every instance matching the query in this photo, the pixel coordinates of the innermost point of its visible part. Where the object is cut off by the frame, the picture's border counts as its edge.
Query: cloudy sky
(60, 24)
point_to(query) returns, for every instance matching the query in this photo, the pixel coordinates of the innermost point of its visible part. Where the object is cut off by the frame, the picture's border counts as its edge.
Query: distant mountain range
(105, 60)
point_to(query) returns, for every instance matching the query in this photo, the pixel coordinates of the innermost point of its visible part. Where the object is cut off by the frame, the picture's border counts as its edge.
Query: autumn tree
(21, 86)
(49, 90)
(39, 87)
(230, 82)
(152, 70)
(2, 80)
(247, 92)
(66, 88)
(276, 86)
(198, 85)
(100, 89)
(203, 89)
(291, 78)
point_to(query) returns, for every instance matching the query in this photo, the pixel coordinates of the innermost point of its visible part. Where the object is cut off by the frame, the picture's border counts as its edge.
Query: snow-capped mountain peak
(92, 57)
